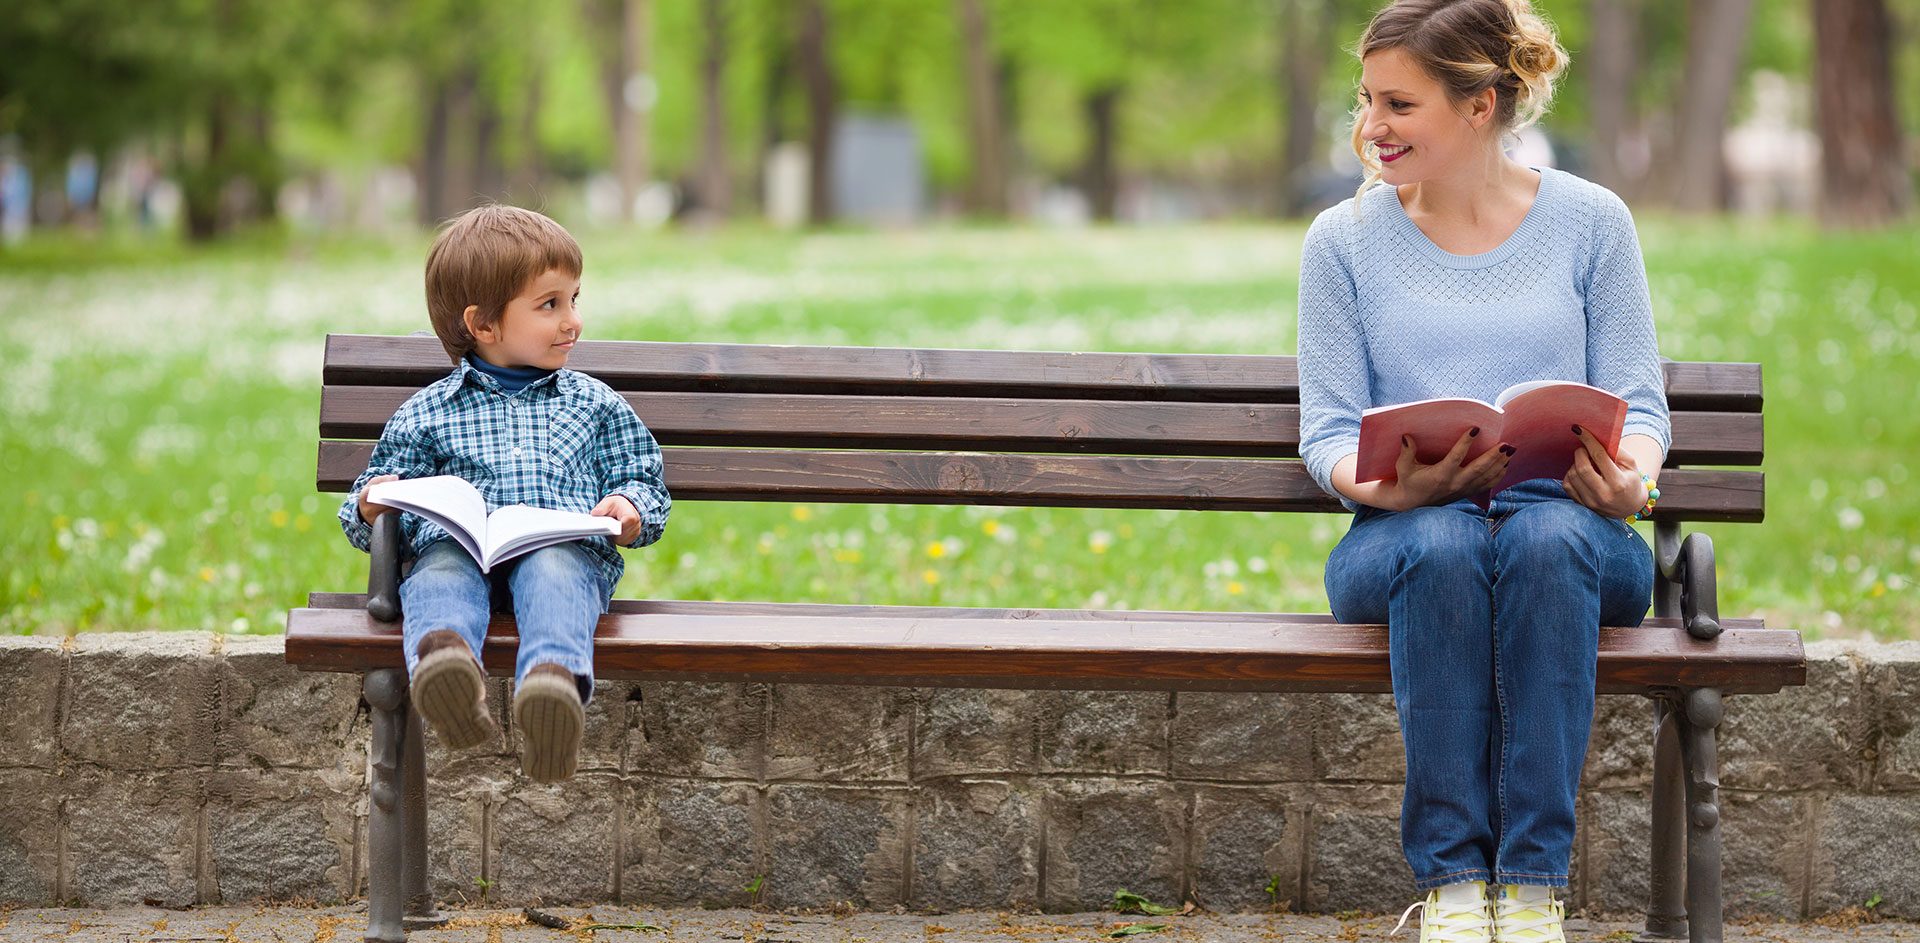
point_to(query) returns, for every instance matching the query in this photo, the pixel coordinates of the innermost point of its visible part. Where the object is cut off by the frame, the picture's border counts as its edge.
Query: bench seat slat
(1207, 484)
(763, 368)
(947, 423)
(1248, 654)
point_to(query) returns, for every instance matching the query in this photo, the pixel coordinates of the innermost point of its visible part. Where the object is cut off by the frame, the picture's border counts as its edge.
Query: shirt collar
(464, 376)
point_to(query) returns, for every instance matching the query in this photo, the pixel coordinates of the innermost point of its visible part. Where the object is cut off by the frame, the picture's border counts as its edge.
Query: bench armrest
(383, 569)
(1686, 571)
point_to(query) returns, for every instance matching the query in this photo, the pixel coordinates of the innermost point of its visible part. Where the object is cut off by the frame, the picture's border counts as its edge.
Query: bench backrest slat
(356, 359)
(950, 423)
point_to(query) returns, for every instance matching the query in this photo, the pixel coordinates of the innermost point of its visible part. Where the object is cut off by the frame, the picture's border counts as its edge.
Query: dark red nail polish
(1473, 432)
(1576, 430)
(1507, 450)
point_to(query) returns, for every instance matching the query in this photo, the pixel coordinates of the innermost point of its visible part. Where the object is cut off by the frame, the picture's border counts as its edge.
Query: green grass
(158, 416)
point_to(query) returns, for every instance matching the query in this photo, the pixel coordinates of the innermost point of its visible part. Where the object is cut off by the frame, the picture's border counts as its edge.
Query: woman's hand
(1610, 486)
(1416, 485)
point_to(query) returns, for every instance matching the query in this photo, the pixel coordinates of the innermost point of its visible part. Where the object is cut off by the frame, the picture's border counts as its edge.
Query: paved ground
(346, 924)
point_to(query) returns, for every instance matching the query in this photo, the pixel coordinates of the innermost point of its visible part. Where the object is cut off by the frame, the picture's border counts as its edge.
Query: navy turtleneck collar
(511, 379)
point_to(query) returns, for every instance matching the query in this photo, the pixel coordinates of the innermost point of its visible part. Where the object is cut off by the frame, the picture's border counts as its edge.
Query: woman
(1466, 273)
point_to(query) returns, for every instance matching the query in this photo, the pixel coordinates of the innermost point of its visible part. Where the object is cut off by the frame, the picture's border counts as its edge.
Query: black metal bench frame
(955, 427)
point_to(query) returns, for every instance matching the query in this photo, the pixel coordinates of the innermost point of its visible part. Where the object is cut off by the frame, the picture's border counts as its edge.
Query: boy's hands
(620, 509)
(369, 511)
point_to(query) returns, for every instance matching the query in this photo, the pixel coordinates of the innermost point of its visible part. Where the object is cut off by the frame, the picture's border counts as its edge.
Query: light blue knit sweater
(1388, 317)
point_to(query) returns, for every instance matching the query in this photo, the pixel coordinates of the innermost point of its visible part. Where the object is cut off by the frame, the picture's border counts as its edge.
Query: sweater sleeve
(1334, 377)
(1623, 353)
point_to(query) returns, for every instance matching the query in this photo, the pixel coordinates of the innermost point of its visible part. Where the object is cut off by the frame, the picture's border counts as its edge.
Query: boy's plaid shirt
(564, 441)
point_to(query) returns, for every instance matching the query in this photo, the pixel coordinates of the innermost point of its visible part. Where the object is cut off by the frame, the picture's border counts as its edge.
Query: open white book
(457, 506)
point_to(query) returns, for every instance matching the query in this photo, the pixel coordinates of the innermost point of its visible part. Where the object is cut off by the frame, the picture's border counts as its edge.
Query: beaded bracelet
(1653, 495)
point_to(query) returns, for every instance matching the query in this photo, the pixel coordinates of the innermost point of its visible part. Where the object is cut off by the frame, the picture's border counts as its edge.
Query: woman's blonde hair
(1469, 46)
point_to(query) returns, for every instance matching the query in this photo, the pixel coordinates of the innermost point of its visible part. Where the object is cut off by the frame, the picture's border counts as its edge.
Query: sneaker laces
(1458, 924)
(1525, 920)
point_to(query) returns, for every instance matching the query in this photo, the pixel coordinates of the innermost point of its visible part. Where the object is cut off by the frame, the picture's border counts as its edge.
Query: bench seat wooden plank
(947, 423)
(765, 368)
(923, 649)
(1202, 484)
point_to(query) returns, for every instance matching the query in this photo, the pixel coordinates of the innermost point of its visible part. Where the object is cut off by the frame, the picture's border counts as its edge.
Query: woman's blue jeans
(1493, 623)
(556, 595)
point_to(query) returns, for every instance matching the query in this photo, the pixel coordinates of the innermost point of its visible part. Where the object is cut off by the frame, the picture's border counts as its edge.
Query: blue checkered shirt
(564, 441)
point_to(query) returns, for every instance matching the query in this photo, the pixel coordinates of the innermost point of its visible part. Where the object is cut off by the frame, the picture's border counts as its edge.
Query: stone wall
(180, 768)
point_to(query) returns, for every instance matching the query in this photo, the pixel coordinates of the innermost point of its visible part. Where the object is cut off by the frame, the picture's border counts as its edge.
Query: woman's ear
(1480, 108)
(471, 317)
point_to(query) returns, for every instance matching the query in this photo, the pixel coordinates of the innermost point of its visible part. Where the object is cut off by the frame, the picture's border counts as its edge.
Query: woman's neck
(1484, 191)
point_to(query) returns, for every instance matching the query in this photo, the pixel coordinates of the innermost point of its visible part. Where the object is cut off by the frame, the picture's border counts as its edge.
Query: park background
(193, 193)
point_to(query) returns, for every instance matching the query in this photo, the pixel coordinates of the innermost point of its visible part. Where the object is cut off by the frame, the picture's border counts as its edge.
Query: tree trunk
(715, 180)
(626, 86)
(1864, 180)
(431, 179)
(816, 73)
(1101, 179)
(204, 184)
(987, 190)
(489, 176)
(1306, 32)
(1716, 38)
(1611, 55)
(527, 171)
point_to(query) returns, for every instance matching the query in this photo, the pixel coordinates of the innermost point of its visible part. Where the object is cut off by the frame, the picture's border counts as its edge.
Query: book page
(1434, 424)
(519, 528)
(1540, 421)
(447, 500)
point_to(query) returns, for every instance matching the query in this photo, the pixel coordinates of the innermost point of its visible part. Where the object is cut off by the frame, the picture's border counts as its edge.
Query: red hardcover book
(1536, 418)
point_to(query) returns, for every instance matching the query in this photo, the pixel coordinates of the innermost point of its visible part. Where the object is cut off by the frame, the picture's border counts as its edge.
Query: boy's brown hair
(484, 257)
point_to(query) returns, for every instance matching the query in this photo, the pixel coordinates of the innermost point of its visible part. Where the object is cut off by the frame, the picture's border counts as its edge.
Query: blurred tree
(817, 75)
(1612, 58)
(1865, 179)
(1716, 37)
(986, 135)
(1306, 46)
(714, 177)
(622, 41)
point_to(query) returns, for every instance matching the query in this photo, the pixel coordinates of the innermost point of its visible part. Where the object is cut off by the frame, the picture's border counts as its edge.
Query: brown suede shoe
(450, 692)
(548, 713)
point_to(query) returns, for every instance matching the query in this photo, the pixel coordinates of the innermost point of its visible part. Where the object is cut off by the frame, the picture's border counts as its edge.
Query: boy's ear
(471, 317)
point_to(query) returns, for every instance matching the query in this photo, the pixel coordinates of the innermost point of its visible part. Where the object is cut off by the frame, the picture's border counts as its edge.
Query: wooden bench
(1193, 432)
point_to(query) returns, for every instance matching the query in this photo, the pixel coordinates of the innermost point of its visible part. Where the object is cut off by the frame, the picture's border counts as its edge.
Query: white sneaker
(1527, 915)
(1456, 913)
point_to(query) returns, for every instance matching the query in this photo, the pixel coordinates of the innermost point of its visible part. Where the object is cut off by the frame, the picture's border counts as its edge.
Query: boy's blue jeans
(556, 594)
(1493, 624)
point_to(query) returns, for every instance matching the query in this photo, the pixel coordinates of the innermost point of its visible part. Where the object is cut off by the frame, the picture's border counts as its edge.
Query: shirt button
(516, 451)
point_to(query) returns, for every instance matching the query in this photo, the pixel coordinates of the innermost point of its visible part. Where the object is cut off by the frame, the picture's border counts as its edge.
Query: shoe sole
(547, 711)
(448, 689)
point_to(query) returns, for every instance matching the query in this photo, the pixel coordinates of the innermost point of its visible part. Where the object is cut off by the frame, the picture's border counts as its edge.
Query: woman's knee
(1559, 532)
(1442, 542)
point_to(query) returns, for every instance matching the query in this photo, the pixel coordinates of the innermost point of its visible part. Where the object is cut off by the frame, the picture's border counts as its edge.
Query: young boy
(503, 288)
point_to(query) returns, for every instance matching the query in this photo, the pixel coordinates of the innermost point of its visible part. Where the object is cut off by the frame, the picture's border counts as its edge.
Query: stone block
(456, 845)
(1102, 731)
(1809, 737)
(1893, 695)
(839, 733)
(973, 731)
(1244, 736)
(29, 837)
(681, 728)
(30, 670)
(1869, 846)
(281, 834)
(1355, 862)
(142, 700)
(1244, 839)
(1614, 834)
(556, 843)
(828, 844)
(276, 716)
(131, 838)
(691, 843)
(1620, 748)
(1102, 836)
(976, 843)
(1359, 739)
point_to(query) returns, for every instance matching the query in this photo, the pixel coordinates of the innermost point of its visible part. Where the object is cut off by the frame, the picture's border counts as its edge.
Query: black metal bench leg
(1666, 889)
(386, 692)
(423, 913)
(1700, 744)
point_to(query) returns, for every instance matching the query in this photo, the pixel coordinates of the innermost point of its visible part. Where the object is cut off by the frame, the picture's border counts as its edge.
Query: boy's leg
(445, 603)
(558, 597)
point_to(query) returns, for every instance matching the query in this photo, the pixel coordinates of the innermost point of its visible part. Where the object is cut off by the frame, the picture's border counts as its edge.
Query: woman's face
(1407, 118)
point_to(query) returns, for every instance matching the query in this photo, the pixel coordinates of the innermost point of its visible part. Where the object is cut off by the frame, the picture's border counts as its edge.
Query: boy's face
(537, 329)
